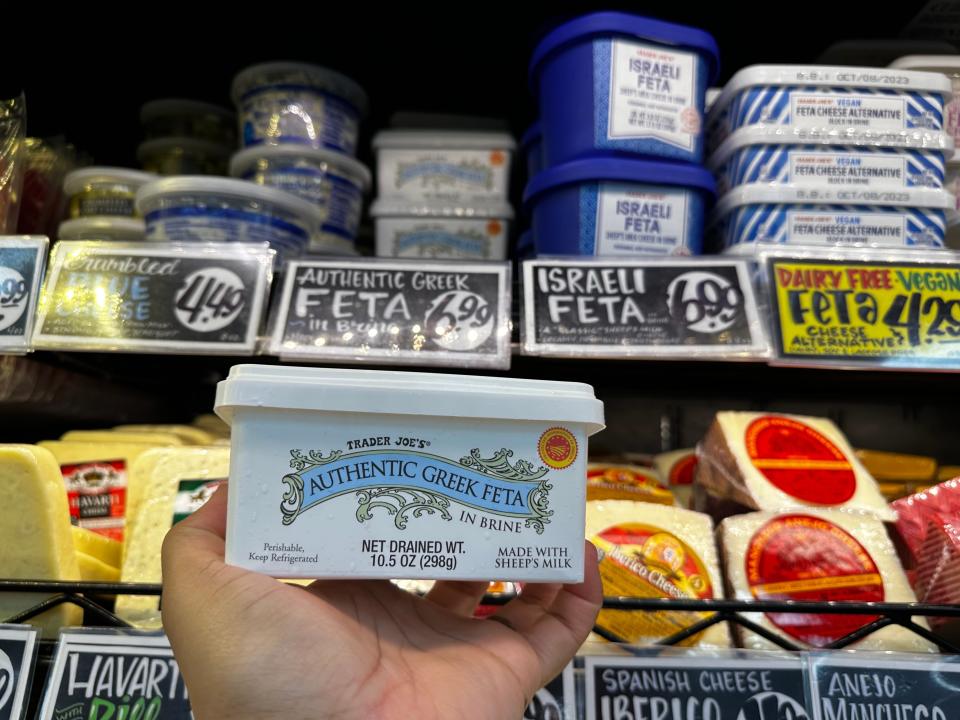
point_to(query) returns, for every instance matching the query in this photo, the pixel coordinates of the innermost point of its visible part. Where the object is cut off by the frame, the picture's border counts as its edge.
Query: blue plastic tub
(531, 144)
(615, 206)
(611, 82)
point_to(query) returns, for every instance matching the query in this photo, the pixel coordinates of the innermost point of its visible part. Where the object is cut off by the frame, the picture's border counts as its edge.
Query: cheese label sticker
(800, 461)
(863, 312)
(97, 494)
(647, 562)
(625, 483)
(801, 557)
(681, 473)
(836, 110)
(193, 495)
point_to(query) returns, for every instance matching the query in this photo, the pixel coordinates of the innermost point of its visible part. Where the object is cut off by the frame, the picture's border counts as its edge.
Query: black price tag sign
(867, 687)
(21, 271)
(17, 651)
(694, 688)
(556, 701)
(114, 674)
(425, 312)
(636, 308)
(147, 296)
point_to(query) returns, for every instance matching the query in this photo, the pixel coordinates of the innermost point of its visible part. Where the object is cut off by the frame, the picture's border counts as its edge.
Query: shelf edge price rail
(139, 297)
(690, 308)
(426, 312)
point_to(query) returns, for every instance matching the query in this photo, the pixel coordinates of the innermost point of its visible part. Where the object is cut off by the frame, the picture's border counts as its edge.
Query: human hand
(252, 647)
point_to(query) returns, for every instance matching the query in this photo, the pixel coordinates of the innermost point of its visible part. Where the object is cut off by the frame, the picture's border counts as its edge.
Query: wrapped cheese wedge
(100, 436)
(772, 462)
(897, 467)
(95, 570)
(677, 470)
(816, 555)
(36, 540)
(651, 551)
(626, 482)
(212, 424)
(188, 434)
(106, 550)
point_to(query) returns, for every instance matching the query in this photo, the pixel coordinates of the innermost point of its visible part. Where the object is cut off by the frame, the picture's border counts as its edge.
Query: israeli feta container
(447, 166)
(118, 229)
(948, 65)
(844, 101)
(207, 209)
(332, 182)
(619, 207)
(531, 145)
(189, 118)
(431, 230)
(285, 102)
(784, 156)
(365, 474)
(762, 214)
(104, 191)
(612, 82)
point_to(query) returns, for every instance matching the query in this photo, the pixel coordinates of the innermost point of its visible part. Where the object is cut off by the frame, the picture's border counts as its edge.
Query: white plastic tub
(104, 191)
(120, 229)
(333, 182)
(948, 65)
(189, 118)
(844, 101)
(443, 165)
(183, 156)
(781, 156)
(205, 209)
(759, 214)
(369, 474)
(431, 230)
(281, 102)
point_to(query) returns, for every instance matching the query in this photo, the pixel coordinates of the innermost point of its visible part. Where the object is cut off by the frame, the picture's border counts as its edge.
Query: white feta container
(948, 65)
(841, 100)
(333, 182)
(762, 214)
(448, 166)
(431, 230)
(782, 156)
(366, 474)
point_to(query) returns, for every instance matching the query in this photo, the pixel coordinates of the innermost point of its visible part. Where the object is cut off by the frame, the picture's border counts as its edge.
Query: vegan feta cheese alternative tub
(333, 182)
(207, 209)
(611, 82)
(286, 102)
(615, 206)
(359, 474)
(104, 191)
(948, 65)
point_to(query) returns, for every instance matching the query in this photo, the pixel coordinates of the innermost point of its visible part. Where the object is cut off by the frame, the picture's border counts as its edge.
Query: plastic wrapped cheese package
(652, 551)
(816, 555)
(677, 469)
(626, 482)
(767, 461)
(915, 512)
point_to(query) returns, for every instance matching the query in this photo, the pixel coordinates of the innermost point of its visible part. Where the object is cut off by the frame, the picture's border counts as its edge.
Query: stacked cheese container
(442, 193)
(186, 137)
(830, 156)
(102, 204)
(621, 142)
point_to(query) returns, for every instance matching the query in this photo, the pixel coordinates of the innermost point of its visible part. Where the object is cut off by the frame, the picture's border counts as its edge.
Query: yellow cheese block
(94, 570)
(102, 436)
(35, 538)
(104, 549)
(169, 470)
(948, 472)
(212, 423)
(897, 467)
(188, 434)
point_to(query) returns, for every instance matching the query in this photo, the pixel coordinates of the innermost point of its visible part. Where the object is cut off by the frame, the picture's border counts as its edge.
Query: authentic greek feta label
(413, 497)
(451, 175)
(861, 112)
(653, 94)
(859, 169)
(441, 238)
(846, 228)
(634, 222)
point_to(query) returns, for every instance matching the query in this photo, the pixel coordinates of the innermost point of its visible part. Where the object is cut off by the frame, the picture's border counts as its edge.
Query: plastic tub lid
(443, 139)
(400, 207)
(927, 198)
(109, 226)
(533, 135)
(948, 64)
(785, 135)
(711, 96)
(243, 161)
(74, 181)
(626, 24)
(602, 169)
(831, 76)
(236, 189)
(171, 107)
(407, 393)
(282, 72)
(149, 148)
